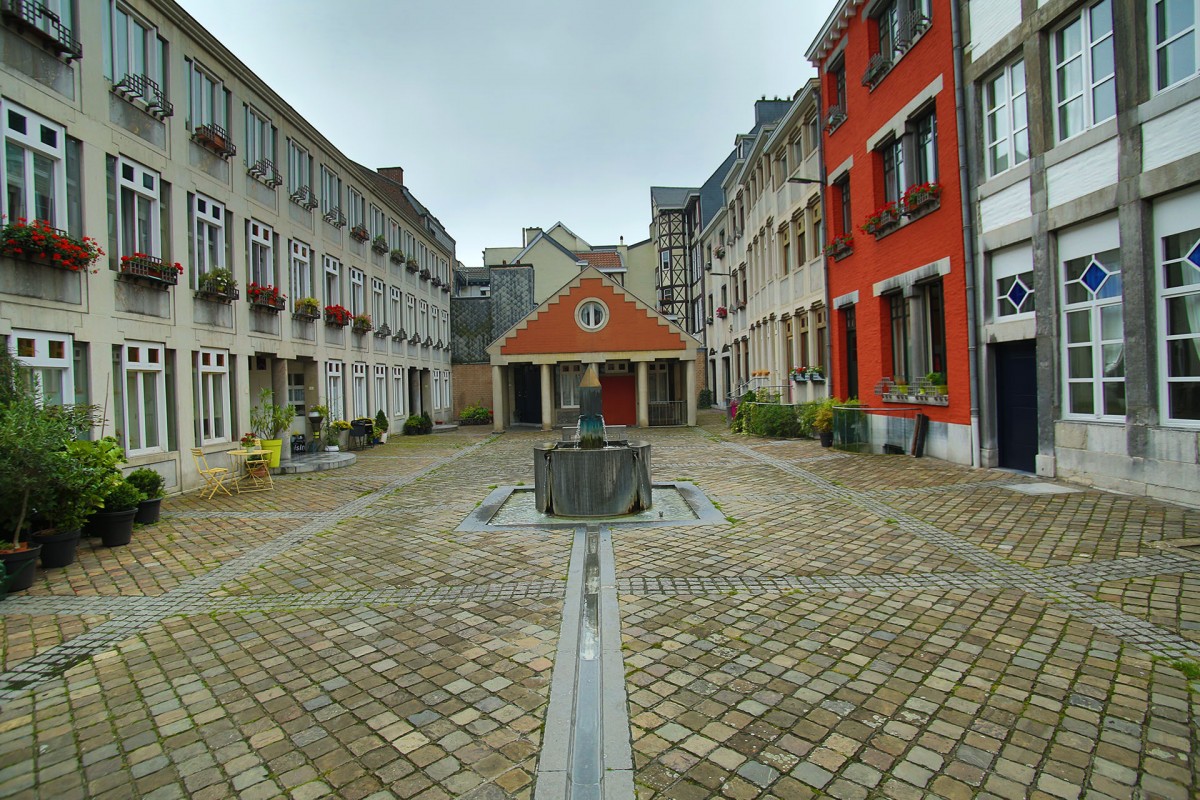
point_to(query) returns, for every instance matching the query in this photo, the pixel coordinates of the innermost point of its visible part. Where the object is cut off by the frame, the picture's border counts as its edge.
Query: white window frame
(1005, 118)
(208, 102)
(260, 246)
(331, 190)
(260, 137)
(1095, 309)
(358, 299)
(399, 391)
(380, 390)
(1175, 216)
(32, 145)
(42, 365)
(1171, 39)
(333, 280)
(144, 359)
(1014, 262)
(393, 234)
(300, 270)
(208, 227)
(445, 337)
(299, 166)
(137, 183)
(1088, 82)
(411, 315)
(153, 67)
(446, 389)
(396, 297)
(423, 320)
(335, 390)
(569, 377)
(437, 387)
(358, 390)
(212, 395)
(379, 311)
(355, 207)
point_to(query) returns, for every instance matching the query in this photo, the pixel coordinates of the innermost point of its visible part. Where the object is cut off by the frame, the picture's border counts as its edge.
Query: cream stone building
(129, 123)
(762, 255)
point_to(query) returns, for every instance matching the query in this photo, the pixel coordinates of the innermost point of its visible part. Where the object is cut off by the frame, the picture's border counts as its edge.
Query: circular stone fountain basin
(603, 482)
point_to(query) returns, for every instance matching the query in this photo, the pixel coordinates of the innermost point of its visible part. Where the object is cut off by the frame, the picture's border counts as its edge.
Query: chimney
(393, 173)
(622, 241)
(531, 234)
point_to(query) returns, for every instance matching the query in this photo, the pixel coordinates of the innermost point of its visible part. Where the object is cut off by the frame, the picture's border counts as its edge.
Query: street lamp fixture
(709, 270)
(795, 179)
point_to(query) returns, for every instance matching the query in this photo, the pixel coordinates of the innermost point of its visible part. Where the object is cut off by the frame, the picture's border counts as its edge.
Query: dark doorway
(527, 388)
(851, 352)
(1016, 405)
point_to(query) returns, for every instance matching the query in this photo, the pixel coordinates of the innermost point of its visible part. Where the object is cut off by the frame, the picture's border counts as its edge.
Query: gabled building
(647, 363)
(902, 321)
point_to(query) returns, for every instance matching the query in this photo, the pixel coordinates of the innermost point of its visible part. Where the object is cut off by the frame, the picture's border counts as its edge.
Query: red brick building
(897, 265)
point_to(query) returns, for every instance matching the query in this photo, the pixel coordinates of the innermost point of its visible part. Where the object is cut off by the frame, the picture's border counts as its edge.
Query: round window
(592, 315)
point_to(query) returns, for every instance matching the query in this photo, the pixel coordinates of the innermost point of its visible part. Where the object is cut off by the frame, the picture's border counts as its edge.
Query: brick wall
(472, 385)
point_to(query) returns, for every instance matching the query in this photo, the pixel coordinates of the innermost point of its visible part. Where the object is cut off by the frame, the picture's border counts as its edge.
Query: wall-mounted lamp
(795, 179)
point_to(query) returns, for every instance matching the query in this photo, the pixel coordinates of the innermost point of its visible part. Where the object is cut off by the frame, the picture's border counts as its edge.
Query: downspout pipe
(966, 193)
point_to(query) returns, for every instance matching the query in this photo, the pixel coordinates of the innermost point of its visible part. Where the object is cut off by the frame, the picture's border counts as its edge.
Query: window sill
(917, 399)
(873, 81)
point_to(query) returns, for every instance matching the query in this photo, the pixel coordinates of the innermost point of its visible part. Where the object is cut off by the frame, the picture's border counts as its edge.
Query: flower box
(265, 172)
(339, 316)
(412, 266)
(335, 217)
(362, 323)
(921, 199)
(305, 198)
(840, 247)
(722, 312)
(215, 138)
(151, 269)
(306, 316)
(379, 245)
(218, 295)
(883, 221)
(359, 233)
(425, 274)
(265, 297)
(383, 331)
(38, 243)
(741, 305)
(396, 257)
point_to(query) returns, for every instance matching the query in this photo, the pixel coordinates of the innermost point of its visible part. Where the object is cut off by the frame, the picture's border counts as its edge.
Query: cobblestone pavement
(864, 626)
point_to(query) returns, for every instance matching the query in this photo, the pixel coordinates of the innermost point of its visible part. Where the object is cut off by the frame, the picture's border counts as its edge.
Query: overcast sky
(508, 114)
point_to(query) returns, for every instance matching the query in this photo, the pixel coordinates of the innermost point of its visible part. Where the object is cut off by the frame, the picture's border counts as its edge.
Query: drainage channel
(586, 753)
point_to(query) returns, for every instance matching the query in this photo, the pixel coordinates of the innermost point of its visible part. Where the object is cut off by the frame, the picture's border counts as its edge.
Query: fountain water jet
(592, 477)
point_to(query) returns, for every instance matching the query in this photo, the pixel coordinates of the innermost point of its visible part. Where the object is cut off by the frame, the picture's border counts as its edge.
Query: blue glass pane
(1194, 256)
(1017, 294)
(1094, 275)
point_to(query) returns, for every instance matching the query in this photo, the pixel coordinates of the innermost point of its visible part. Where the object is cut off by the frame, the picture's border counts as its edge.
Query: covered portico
(646, 363)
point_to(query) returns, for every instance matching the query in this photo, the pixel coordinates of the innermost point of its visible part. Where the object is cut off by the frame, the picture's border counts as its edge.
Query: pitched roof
(602, 259)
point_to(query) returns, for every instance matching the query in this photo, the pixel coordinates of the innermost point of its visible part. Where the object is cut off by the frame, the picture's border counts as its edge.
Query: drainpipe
(965, 194)
(828, 358)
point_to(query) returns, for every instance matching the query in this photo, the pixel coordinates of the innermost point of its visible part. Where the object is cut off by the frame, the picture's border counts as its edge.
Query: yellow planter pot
(273, 447)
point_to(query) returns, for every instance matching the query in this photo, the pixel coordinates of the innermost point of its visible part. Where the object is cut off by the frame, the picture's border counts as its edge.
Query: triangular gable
(552, 327)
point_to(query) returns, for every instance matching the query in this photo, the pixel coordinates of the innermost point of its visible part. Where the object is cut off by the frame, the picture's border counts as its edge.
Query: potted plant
(823, 422)
(150, 483)
(308, 307)
(249, 441)
(937, 383)
(901, 386)
(39, 243)
(268, 421)
(381, 426)
(114, 521)
(418, 424)
(338, 436)
(362, 323)
(337, 315)
(397, 257)
(217, 283)
(379, 244)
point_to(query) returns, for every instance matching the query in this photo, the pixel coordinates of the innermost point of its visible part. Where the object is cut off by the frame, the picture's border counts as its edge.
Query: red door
(618, 399)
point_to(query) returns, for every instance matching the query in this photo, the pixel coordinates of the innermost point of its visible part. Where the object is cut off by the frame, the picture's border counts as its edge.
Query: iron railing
(44, 23)
(668, 412)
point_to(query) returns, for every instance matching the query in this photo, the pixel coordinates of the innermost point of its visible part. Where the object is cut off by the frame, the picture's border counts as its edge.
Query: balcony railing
(877, 67)
(150, 268)
(335, 217)
(36, 19)
(139, 87)
(264, 170)
(305, 198)
(668, 412)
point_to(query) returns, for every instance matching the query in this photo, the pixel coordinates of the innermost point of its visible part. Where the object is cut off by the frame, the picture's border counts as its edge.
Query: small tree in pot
(381, 425)
(269, 421)
(114, 522)
(150, 483)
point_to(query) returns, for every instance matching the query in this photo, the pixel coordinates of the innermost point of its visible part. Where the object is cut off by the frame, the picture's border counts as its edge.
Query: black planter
(114, 528)
(20, 566)
(58, 547)
(827, 439)
(147, 511)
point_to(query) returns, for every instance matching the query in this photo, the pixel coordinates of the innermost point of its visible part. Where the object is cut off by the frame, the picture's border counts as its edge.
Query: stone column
(547, 398)
(643, 394)
(279, 396)
(689, 384)
(499, 413)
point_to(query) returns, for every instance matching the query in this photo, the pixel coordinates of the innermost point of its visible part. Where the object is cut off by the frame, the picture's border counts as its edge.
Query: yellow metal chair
(258, 473)
(214, 477)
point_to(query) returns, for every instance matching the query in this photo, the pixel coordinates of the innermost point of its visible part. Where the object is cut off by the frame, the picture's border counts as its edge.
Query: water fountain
(592, 476)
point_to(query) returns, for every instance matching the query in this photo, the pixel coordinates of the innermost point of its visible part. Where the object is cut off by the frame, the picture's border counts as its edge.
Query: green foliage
(475, 415)
(775, 421)
(381, 422)
(705, 398)
(418, 424)
(269, 420)
(807, 416)
(147, 481)
(743, 412)
(122, 496)
(823, 418)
